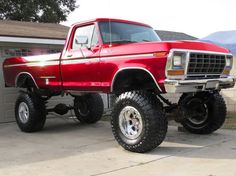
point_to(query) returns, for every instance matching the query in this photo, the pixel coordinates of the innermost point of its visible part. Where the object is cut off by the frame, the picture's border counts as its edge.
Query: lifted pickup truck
(129, 60)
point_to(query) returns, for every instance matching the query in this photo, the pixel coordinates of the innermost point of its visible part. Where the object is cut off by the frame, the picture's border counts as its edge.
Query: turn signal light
(175, 72)
(160, 54)
(226, 72)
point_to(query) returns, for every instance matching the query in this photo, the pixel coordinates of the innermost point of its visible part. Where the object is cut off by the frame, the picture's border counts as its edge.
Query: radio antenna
(110, 32)
(109, 23)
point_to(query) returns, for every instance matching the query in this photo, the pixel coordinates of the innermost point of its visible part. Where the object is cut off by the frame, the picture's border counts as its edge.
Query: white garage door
(8, 96)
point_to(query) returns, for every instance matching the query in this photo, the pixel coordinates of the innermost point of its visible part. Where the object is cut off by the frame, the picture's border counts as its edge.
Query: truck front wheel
(30, 112)
(138, 121)
(88, 108)
(203, 112)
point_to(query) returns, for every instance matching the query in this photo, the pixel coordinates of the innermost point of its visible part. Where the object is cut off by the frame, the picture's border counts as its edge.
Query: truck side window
(84, 31)
(94, 41)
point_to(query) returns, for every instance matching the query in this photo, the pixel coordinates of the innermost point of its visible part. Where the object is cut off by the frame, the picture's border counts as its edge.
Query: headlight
(229, 61)
(177, 60)
(175, 65)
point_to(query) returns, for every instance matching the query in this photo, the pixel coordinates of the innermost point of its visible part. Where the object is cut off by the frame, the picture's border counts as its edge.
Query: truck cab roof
(109, 19)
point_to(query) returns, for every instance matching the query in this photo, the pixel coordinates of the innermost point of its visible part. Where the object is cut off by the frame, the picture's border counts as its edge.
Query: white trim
(51, 60)
(77, 61)
(32, 40)
(34, 64)
(200, 51)
(133, 68)
(135, 56)
(43, 57)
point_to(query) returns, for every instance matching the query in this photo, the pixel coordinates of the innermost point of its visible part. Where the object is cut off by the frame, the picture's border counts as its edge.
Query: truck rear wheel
(30, 112)
(138, 121)
(88, 108)
(203, 113)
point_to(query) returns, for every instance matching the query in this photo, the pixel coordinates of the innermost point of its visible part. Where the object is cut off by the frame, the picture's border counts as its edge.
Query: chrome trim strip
(42, 58)
(75, 61)
(86, 60)
(200, 51)
(136, 56)
(13, 65)
(47, 77)
(198, 81)
(81, 60)
(203, 74)
(182, 86)
(33, 64)
(186, 65)
(187, 51)
(133, 68)
(27, 74)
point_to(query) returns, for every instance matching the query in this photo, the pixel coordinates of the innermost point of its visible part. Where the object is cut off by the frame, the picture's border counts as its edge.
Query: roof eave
(44, 41)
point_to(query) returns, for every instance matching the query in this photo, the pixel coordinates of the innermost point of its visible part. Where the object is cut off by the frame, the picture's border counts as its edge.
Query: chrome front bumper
(181, 86)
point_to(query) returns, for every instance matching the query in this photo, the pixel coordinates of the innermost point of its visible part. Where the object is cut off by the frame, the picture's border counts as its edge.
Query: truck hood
(150, 47)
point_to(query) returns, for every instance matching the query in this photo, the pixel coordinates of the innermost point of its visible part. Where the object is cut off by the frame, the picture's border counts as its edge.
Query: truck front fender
(132, 76)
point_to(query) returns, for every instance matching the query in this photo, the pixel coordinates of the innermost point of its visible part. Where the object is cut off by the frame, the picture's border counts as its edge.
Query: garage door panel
(10, 98)
(8, 115)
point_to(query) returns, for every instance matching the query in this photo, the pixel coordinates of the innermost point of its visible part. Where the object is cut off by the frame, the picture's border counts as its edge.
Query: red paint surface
(97, 75)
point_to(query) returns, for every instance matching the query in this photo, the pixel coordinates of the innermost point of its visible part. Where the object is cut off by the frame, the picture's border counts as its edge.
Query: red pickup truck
(129, 60)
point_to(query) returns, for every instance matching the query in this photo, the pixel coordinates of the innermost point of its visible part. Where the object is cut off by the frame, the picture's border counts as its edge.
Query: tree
(51, 11)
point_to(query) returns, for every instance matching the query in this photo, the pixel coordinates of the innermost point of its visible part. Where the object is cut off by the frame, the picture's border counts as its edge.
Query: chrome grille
(205, 65)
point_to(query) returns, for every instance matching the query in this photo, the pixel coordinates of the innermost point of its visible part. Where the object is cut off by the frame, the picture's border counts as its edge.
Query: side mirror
(82, 40)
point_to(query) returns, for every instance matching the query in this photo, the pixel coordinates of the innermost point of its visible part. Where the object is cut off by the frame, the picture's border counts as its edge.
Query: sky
(198, 18)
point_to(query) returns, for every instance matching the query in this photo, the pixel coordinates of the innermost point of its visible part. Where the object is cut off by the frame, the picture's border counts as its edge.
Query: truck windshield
(119, 32)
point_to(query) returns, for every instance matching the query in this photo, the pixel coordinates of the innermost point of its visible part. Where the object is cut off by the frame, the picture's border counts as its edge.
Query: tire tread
(37, 112)
(155, 120)
(217, 114)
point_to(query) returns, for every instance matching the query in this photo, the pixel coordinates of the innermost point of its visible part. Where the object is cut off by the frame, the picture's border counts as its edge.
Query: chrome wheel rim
(130, 122)
(199, 113)
(201, 120)
(23, 112)
(83, 109)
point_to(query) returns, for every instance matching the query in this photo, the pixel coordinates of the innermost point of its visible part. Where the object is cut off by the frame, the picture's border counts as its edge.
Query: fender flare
(26, 73)
(134, 68)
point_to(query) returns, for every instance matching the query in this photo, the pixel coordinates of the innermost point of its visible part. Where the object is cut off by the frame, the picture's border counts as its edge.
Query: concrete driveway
(71, 149)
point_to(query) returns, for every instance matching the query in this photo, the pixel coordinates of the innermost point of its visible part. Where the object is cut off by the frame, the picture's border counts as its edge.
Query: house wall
(230, 94)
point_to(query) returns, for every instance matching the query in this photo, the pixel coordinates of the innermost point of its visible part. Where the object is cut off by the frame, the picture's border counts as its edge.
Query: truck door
(80, 62)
